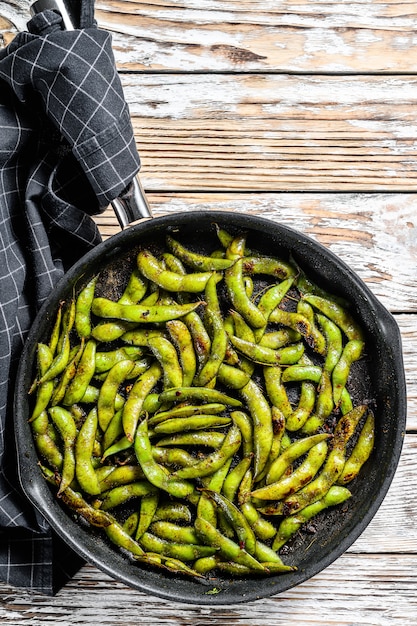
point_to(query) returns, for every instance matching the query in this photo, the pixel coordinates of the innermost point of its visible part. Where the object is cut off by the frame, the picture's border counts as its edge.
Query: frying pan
(381, 382)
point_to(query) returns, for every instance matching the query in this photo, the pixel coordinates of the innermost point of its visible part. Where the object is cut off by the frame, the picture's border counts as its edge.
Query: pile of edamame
(203, 417)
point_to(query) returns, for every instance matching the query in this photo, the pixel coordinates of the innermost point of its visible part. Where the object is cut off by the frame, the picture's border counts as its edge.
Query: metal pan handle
(132, 203)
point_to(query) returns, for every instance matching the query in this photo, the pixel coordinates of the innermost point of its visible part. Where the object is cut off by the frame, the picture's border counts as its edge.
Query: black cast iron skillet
(380, 381)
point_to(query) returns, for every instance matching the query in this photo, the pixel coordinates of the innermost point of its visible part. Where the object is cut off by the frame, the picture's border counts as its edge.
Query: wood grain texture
(381, 592)
(262, 36)
(275, 132)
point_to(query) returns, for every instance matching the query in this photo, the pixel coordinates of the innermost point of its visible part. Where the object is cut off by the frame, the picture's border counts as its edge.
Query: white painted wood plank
(275, 132)
(231, 35)
(381, 592)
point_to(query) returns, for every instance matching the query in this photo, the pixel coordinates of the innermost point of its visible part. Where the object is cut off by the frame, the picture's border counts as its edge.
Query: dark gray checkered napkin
(66, 150)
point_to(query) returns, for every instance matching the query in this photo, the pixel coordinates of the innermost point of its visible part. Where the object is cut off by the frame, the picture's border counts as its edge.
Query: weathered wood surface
(262, 35)
(241, 106)
(304, 133)
(254, 35)
(356, 590)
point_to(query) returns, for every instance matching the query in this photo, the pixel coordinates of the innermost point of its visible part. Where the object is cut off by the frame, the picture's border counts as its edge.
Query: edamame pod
(150, 267)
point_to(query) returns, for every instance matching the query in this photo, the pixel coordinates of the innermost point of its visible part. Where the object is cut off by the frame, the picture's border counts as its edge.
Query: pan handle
(59, 6)
(132, 203)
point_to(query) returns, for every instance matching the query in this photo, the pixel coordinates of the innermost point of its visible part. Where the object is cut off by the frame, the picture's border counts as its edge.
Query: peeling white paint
(322, 40)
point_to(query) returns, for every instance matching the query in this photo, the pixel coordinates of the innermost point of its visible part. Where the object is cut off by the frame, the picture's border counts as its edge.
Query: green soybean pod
(319, 340)
(236, 247)
(244, 423)
(267, 356)
(135, 289)
(60, 361)
(209, 438)
(324, 405)
(77, 388)
(164, 351)
(270, 266)
(119, 446)
(172, 456)
(44, 443)
(133, 406)
(203, 394)
(154, 270)
(83, 309)
(149, 314)
(121, 538)
(45, 390)
(84, 469)
(104, 361)
(195, 260)
(346, 402)
(194, 422)
(205, 564)
(65, 424)
(278, 429)
(261, 415)
(338, 314)
(131, 523)
(123, 493)
(68, 374)
(148, 506)
(174, 532)
(304, 473)
(173, 511)
(352, 351)
(296, 322)
(228, 548)
(205, 506)
(213, 461)
(217, 351)
(270, 559)
(139, 337)
(108, 391)
(334, 342)
(181, 551)
(275, 390)
(107, 331)
(306, 403)
(237, 520)
(238, 296)
(270, 300)
(232, 377)
(155, 473)
(290, 525)
(262, 528)
(54, 338)
(279, 338)
(291, 454)
(183, 341)
(187, 410)
(298, 373)
(361, 451)
(234, 478)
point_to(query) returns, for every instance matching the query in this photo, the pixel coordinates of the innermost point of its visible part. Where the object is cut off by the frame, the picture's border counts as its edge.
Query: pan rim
(277, 584)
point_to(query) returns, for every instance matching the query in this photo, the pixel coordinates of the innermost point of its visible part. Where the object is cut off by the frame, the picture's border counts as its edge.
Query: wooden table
(304, 113)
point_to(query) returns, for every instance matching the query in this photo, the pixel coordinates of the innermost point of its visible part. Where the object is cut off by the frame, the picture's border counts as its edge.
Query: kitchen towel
(66, 151)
